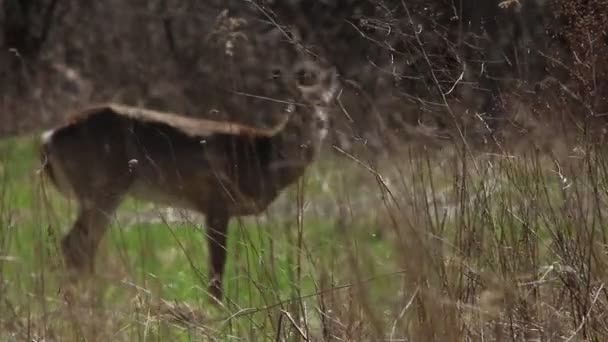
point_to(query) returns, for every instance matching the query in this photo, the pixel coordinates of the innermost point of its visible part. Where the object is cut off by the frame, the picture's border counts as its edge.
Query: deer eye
(306, 77)
(275, 73)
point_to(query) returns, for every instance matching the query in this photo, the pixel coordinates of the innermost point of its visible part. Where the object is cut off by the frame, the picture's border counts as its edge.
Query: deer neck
(303, 135)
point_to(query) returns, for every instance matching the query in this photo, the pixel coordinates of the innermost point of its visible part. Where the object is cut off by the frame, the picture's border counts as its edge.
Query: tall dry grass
(443, 245)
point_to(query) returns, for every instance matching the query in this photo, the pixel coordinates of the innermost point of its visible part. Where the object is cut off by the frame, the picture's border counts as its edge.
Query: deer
(221, 169)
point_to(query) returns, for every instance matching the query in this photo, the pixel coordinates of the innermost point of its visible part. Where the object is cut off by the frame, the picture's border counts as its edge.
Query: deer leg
(217, 231)
(79, 246)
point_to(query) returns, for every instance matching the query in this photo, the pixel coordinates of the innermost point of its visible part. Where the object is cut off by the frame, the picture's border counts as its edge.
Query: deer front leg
(80, 245)
(217, 231)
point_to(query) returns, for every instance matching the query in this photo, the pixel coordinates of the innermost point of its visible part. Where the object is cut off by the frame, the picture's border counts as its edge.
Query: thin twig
(586, 317)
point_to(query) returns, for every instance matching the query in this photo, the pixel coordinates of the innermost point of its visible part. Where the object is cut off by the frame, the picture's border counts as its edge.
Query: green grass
(416, 247)
(161, 260)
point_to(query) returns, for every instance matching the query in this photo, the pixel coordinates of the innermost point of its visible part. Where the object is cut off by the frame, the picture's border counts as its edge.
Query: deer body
(117, 155)
(220, 169)
(108, 153)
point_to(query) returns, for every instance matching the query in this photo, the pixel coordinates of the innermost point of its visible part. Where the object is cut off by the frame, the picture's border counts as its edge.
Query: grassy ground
(415, 248)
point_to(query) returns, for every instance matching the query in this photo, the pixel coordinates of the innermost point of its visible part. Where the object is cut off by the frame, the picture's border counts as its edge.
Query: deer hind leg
(80, 245)
(217, 231)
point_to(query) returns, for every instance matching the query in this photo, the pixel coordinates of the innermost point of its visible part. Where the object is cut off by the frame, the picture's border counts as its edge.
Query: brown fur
(107, 153)
(218, 168)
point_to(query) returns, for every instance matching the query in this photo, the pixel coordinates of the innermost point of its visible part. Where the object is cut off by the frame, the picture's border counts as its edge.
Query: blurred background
(423, 69)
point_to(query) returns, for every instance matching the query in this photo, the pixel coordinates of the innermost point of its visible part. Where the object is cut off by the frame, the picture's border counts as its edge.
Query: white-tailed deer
(220, 169)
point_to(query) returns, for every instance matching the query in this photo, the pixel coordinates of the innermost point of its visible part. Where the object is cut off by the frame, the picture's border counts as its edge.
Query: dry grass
(446, 246)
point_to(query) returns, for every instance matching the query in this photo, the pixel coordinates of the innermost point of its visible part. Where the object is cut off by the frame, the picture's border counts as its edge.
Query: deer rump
(114, 150)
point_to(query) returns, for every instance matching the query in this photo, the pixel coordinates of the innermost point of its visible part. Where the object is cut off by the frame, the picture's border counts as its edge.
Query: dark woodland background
(417, 70)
